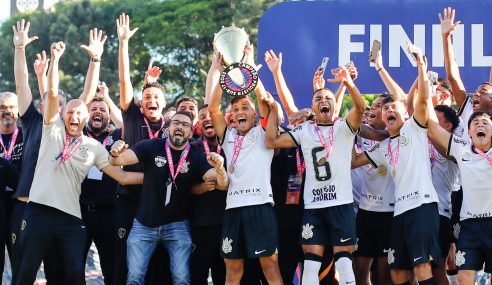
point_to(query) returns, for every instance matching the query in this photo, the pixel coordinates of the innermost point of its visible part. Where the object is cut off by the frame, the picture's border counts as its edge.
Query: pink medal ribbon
(324, 159)
(482, 154)
(7, 154)
(181, 162)
(394, 162)
(432, 154)
(300, 165)
(69, 148)
(153, 135)
(238, 142)
(105, 141)
(207, 149)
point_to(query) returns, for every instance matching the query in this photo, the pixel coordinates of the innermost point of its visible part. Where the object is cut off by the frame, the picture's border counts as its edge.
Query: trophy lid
(230, 42)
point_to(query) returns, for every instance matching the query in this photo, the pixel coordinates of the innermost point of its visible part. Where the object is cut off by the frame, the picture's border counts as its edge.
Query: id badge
(95, 173)
(293, 190)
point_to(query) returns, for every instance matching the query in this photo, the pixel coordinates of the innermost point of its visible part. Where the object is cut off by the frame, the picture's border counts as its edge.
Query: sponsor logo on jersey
(326, 193)
(160, 161)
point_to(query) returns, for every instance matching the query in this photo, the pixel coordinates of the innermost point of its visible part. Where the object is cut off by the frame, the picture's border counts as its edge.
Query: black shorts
(415, 238)
(456, 201)
(373, 233)
(474, 246)
(445, 235)
(331, 226)
(249, 232)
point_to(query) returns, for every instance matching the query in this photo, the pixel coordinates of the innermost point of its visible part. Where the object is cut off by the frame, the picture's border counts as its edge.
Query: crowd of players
(391, 194)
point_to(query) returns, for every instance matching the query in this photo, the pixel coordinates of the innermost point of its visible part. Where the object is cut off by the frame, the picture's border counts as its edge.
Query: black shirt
(16, 158)
(284, 165)
(32, 127)
(136, 131)
(152, 210)
(208, 208)
(101, 191)
(8, 177)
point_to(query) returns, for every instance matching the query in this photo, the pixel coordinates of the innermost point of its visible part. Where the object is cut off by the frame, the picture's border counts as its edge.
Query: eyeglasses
(176, 123)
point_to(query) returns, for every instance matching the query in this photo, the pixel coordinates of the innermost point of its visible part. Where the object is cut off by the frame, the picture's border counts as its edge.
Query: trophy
(238, 78)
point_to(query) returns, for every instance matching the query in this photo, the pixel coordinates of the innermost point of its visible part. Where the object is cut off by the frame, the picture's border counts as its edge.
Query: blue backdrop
(306, 31)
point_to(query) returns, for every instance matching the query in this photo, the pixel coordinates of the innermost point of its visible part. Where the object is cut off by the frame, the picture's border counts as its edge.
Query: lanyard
(482, 154)
(207, 148)
(149, 130)
(301, 165)
(181, 162)
(432, 154)
(394, 161)
(322, 161)
(7, 153)
(69, 148)
(238, 142)
(105, 141)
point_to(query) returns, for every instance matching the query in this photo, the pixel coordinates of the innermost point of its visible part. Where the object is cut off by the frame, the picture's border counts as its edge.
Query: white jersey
(413, 180)
(476, 178)
(249, 184)
(357, 176)
(378, 188)
(444, 176)
(329, 184)
(465, 112)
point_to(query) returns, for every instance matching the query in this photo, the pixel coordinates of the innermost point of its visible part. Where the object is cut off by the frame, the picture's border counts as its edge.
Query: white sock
(453, 279)
(344, 268)
(310, 272)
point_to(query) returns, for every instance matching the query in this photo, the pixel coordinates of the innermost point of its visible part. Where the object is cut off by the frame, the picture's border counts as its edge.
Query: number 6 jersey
(327, 183)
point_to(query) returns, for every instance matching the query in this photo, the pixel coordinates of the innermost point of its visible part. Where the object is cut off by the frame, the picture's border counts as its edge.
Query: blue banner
(307, 31)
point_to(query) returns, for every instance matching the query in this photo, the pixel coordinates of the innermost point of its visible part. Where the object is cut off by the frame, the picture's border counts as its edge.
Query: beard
(99, 129)
(178, 142)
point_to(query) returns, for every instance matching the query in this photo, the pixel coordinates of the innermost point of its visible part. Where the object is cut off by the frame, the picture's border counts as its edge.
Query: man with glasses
(171, 167)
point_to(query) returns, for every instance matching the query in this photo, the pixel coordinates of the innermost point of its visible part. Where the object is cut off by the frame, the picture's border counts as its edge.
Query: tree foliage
(176, 34)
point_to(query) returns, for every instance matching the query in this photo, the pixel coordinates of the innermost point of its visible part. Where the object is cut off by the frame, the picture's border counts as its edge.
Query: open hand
(273, 62)
(447, 21)
(95, 48)
(123, 28)
(21, 38)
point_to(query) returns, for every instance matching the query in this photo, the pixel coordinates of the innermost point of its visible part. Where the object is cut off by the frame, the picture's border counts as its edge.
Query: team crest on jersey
(404, 140)
(121, 233)
(227, 245)
(456, 230)
(391, 255)
(439, 156)
(251, 137)
(83, 152)
(160, 161)
(460, 258)
(23, 225)
(307, 231)
(185, 168)
(14, 237)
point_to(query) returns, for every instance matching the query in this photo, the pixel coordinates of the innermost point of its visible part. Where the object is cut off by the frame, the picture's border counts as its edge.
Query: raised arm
(152, 73)
(21, 40)
(95, 50)
(421, 113)
(213, 76)
(260, 91)
(272, 137)
(41, 68)
(354, 117)
(51, 108)
(412, 97)
(370, 133)
(358, 160)
(275, 65)
(452, 71)
(218, 120)
(393, 87)
(124, 35)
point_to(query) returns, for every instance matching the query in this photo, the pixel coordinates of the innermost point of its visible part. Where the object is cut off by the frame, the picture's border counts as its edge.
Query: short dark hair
(449, 115)
(478, 114)
(101, 99)
(239, 98)
(185, 99)
(202, 107)
(153, 84)
(185, 113)
(444, 82)
(391, 98)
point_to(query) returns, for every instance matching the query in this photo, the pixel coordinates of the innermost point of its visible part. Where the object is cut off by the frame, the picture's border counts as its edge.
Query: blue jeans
(142, 241)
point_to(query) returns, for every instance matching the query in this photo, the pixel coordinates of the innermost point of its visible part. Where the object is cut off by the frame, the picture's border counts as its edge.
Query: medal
(382, 170)
(7, 152)
(328, 150)
(231, 169)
